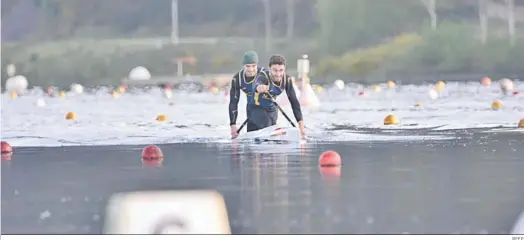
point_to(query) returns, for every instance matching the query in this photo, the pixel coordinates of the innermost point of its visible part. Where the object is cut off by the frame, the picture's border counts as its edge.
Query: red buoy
(331, 171)
(329, 159)
(152, 156)
(152, 152)
(7, 151)
(6, 148)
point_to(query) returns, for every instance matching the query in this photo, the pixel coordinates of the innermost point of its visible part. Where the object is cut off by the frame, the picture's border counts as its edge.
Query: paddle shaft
(242, 126)
(279, 108)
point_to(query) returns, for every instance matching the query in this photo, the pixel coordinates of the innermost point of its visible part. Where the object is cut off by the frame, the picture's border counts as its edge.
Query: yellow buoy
(391, 84)
(215, 90)
(497, 104)
(317, 88)
(13, 95)
(70, 116)
(115, 94)
(439, 86)
(391, 120)
(377, 88)
(161, 118)
(61, 94)
(121, 89)
(521, 123)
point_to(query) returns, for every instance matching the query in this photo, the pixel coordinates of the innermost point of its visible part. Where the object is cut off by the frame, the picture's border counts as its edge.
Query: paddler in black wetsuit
(268, 85)
(243, 80)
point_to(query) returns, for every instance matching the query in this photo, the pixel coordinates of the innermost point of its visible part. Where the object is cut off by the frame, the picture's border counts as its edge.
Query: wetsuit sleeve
(234, 96)
(292, 97)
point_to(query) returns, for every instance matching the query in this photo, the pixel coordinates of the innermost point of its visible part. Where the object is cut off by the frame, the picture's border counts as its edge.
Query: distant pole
(483, 20)
(267, 20)
(43, 29)
(290, 19)
(431, 7)
(511, 21)
(174, 22)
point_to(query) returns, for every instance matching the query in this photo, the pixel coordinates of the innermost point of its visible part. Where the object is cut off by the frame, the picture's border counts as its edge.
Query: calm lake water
(473, 184)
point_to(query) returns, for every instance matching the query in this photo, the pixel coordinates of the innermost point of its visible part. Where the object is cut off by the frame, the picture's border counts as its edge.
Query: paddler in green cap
(243, 80)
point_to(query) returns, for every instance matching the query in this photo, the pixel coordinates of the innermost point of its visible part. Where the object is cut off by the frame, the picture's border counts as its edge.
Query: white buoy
(339, 84)
(433, 94)
(506, 85)
(139, 74)
(40, 102)
(16, 84)
(77, 88)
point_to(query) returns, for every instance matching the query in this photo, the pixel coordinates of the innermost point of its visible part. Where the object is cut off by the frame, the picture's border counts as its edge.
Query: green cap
(250, 57)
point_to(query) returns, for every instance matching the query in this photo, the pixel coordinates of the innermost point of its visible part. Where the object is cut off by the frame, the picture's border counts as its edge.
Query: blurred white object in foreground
(518, 228)
(16, 84)
(167, 212)
(139, 74)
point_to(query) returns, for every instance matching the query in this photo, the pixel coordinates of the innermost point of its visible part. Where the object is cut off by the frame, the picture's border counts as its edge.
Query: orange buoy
(161, 118)
(6, 148)
(521, 123)
(391, 120)
(486, 81)
(70, 116)
(497, 104)
(329, 159)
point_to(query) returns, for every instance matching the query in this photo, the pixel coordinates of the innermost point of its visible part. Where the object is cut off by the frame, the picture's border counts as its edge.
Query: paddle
(280, 109)
(242, 126)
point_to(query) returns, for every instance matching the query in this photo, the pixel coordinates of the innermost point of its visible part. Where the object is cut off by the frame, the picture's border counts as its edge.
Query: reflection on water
(469, 185)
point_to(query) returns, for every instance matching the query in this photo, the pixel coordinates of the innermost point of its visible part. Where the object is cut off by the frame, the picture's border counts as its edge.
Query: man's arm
(292, 97)
(234, 96)
(261, 79)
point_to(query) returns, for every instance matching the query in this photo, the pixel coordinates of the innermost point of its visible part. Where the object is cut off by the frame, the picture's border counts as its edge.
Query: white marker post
(308, 97)
(167, 212)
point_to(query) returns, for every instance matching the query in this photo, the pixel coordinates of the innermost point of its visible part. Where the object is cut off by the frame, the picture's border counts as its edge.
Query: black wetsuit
(240, 82)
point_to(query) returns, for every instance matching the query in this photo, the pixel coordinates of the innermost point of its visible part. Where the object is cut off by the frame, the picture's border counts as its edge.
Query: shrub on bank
(451, 49)
(106, 62)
